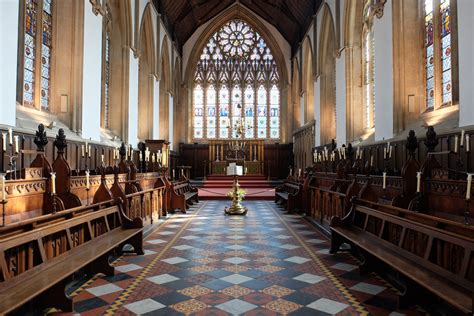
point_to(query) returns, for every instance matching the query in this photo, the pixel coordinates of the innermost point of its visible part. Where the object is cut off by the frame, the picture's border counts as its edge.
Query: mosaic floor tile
(189, 306)
(195, 291)
(236, 306)
(204, 263)
(282, 306)
(144, 306)
(236, 291)
(278, 291)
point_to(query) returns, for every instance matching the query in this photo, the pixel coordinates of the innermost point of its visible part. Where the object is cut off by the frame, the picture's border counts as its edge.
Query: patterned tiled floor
(266, 263)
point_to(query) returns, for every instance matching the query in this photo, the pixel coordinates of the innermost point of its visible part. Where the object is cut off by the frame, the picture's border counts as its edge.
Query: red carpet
(217, 186)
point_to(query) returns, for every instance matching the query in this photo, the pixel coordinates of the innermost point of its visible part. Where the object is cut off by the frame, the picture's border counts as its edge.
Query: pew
(289, 193)
(182, 195)
(425, 256)
(37, 264)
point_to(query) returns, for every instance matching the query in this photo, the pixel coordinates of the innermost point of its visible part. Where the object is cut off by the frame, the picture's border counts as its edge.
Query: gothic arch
(308, 81)
(353, 32)
(119, 66)
(237, 11)
(295, 95)
(327, 64)
(165, 90)
(145, 79)
(178, 126)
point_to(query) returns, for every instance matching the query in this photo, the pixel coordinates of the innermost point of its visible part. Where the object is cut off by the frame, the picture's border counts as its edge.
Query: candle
(245, 170)
(3, 188)
(371, 160)
(468, 189)
(53, 182)
(468, 145)
(89, 151)
(82, 150)
(384, 183)
(418, 181)
(456, 144)
(17, 144)
(88, 185)
(182, 172)
(10, 136)
(299, 172)
(102, 158)
(385, 153)
(173, 173)
(344, 153)
(390, 152)
(291, 171)
(462, 137)
(4, 141)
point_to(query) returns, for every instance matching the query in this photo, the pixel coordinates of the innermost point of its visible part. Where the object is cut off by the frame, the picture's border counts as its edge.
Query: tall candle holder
(12, 164)
(4, 203)
(53, 196)
(467, 213)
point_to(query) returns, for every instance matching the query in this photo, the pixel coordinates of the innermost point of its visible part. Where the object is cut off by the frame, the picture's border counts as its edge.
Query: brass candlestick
(236, 194)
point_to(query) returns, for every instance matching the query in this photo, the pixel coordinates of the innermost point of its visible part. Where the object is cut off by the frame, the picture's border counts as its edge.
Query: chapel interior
(236, 157)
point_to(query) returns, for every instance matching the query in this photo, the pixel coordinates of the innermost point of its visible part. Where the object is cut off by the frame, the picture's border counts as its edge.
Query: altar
(250, 156)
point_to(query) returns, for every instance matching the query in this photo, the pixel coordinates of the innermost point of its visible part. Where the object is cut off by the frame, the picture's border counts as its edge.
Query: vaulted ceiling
(291, 17)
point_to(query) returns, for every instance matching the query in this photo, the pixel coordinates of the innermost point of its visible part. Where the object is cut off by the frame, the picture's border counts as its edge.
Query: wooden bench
(37, 264)
(182, 195)
(291, 194)
(425, 257)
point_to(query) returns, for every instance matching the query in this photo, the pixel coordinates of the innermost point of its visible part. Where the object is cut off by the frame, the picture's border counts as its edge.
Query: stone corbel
(377, 8)
(97, 7)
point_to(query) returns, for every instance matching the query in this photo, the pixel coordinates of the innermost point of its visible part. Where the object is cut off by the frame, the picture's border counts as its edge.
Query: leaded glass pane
(429, 44)
(106, 79)
(234, 58)
(47, 29)
(446, 50)
(31, 12)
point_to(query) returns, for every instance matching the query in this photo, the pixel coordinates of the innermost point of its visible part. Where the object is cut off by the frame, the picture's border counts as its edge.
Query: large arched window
(37, 48)
(438, 52)
(236, 82)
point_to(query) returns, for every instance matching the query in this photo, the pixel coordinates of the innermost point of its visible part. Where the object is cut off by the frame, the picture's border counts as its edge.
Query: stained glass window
(446, 50)
(369, 74)
(429, 47)
(436, 59)
(37, 13)
(237, 82)
(31, 8)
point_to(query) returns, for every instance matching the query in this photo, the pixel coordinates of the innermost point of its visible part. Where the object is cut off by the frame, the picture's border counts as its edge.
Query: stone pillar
(133, 101)
(341, 119)
(156, 109)
(466, 64)
(383, 51)
(92, 74)
(8, 60)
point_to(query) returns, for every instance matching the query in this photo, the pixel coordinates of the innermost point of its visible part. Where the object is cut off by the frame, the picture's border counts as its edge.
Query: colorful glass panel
(47, 31)
(369, 75)
(233, 59)
(211, 112)
(274, 112)
(198, 111)
(31, 11)
(429, 47)
(446, 50)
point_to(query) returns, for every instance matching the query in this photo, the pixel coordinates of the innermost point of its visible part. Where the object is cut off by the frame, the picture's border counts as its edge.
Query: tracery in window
(236, 82)
(38, 20)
